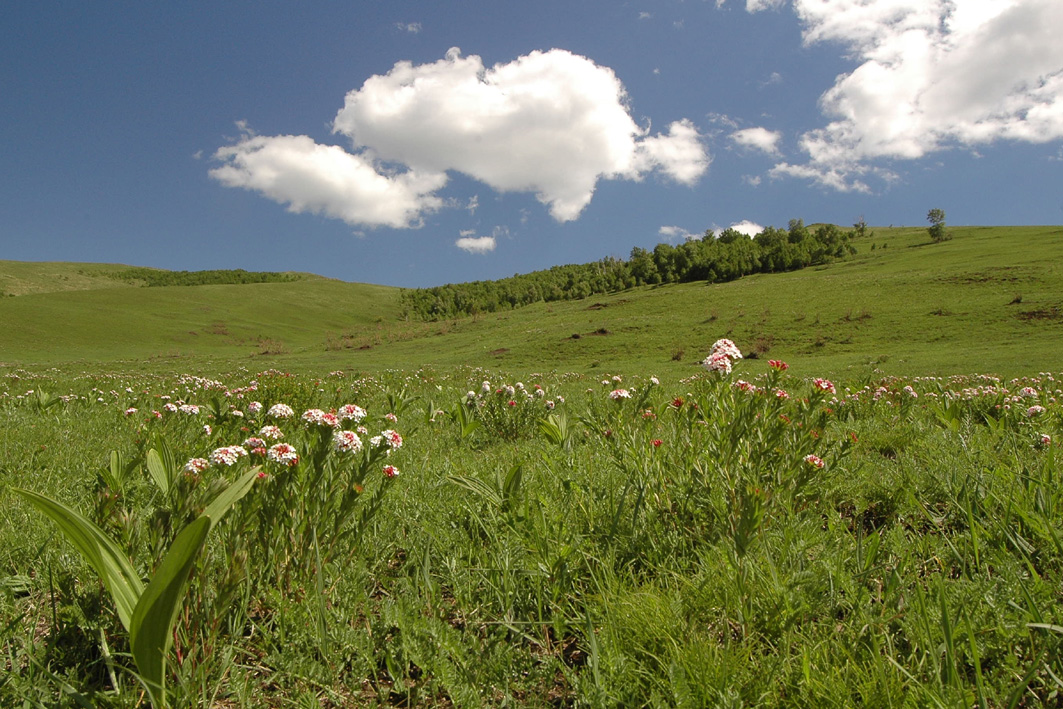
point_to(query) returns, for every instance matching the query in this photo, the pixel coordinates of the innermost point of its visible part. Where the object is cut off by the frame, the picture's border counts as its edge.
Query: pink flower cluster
(824, 385)
(721, 355)
(283, 453)
(619, 394)
(814, 460)
(317, 417)
(346, 442)
(280, 411)
(227, 455)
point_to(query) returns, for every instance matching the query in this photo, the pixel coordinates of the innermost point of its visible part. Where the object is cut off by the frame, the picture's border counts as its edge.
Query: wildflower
(1046, 440)
(677, 403)
(649, 415)
(618, 394)
(1028, 393)
(283, 453)
(391, 417)
(656, 442)
(280, 411)
(254, 408)
(390, 439)
(189, 409)
(390, 471)
(271, 433)
(778, 364)
(726, 348)
(718, 362)
(346, 442)
(511, 403)
(196, 465)
(207, 430)
(743, 385)
(550, 405)
(824, 385)
(781, 394)
(655, 381)
(130, 411)
(911, 392)
(317, 417)
(227, 455)
(470, 396)
(169, 407)
(254, 442)
(814, 461)
(1035, 410)
(350, 412)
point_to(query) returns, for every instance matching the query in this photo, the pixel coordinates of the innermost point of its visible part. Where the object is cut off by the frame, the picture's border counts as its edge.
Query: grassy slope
(914, 307)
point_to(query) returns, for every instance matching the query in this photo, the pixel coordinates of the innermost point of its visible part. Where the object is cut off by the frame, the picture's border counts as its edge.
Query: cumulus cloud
(762, 139)
(551, 123)
(328, 180)
(932, 75)
(476, 245)
(745, 226)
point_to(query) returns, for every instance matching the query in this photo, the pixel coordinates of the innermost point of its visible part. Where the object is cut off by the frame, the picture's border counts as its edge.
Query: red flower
(657, 442)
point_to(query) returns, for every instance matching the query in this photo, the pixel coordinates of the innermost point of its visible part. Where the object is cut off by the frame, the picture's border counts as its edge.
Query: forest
(712, 258)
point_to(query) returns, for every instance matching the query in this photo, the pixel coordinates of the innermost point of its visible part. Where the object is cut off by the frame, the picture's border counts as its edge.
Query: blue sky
(419, 143)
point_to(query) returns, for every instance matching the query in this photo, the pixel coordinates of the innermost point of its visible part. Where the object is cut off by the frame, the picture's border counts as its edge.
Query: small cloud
(198, 155)
(678, 24)
(774, 78)
(473, 203)
(466, 233)
(762, 139)
(751, 180)
(475, 245)
(676, 233)
(411, 27)
(747, 227)
(657, 71)
(645, 16)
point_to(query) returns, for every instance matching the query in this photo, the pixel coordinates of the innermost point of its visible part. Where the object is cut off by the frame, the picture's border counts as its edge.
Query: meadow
(864, 510)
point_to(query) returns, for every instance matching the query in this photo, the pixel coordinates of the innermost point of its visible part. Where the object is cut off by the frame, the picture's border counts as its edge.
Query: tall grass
(730, 540)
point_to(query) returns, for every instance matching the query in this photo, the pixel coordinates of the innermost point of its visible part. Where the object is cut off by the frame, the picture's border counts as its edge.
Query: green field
(555, 506)
(989, 300)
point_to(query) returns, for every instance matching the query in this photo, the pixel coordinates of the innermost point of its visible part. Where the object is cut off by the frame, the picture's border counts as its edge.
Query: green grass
(920, 566)
(986, 301)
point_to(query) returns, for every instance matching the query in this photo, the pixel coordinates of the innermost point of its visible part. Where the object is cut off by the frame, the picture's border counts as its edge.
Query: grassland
(595, 536)
(989, 300)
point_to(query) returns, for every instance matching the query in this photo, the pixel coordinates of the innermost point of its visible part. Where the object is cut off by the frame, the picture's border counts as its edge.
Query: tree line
(154, 277)
(711, 258)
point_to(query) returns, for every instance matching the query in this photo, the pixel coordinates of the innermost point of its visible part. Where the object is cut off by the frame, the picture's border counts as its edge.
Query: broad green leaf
(230, 496)
(113, 474)
(158, 471)
(478, 487)
(102, 554)
(149, 633)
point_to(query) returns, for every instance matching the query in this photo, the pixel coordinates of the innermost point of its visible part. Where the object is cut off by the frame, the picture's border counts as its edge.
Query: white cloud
(932, 75)
(745, 226)
(762, 139)
(645, 15)
(326, 179)
(552, 123)
(475, 245)
(411, 27)
(676, 233)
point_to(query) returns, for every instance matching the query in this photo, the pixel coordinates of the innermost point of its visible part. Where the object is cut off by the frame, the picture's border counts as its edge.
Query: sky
(420, 143)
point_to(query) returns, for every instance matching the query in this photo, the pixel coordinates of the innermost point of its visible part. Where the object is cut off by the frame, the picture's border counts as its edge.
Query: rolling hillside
(989, 300)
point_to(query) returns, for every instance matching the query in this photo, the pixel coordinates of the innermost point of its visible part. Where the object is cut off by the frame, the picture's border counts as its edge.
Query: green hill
(989, 300)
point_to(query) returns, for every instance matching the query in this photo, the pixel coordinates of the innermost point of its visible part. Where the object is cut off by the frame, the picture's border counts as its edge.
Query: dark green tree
(937, 232)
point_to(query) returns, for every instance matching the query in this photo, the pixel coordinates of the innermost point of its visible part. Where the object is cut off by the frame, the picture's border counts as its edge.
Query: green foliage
(157, 277)
(727, 257)
(708, 539)
(937, 229)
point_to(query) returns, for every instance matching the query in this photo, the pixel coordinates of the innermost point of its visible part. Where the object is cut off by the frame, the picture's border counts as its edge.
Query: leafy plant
(147, 612)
